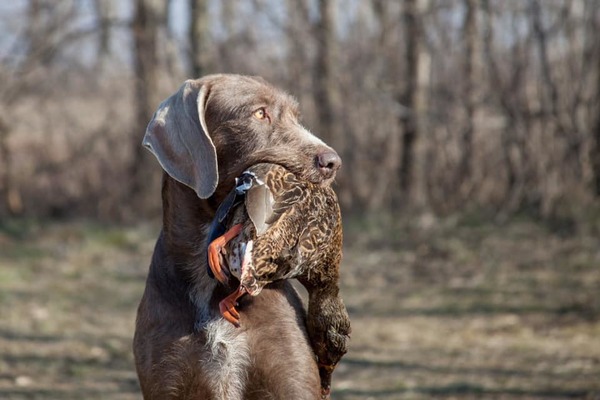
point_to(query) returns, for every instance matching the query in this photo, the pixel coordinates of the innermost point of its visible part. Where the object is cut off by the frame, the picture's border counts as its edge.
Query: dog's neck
(184, 220)
(186, 217)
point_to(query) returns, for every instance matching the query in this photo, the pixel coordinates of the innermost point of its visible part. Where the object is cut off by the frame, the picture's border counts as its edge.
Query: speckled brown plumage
(291, 228)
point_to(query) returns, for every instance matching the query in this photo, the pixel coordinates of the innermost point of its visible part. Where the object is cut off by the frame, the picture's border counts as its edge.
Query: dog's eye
(261, 113)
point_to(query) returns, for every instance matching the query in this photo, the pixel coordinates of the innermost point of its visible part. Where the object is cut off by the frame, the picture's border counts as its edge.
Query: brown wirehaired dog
(204, 136)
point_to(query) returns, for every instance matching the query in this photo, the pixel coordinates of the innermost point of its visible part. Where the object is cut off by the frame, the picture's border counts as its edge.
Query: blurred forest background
(470, 135)
(438, 105)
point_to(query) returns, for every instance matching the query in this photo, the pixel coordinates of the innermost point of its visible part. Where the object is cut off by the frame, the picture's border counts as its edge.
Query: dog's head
(215, 127)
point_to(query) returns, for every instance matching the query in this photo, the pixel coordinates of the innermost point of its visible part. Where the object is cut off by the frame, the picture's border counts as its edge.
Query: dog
(204, 136)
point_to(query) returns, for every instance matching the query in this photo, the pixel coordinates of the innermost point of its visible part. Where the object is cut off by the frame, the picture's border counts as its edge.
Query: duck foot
(228, 304)
(214, 249)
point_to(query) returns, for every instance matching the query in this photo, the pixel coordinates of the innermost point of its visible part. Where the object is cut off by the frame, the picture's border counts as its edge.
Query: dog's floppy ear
(178, 137)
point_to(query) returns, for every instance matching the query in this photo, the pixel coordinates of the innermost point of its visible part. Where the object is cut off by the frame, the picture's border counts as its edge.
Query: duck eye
(261, 113)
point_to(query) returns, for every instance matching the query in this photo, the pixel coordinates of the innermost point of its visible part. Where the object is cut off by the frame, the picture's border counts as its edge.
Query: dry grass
(68, 294)
(438, 311)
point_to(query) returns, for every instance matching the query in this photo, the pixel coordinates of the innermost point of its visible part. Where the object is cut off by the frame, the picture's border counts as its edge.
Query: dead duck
(274, 226)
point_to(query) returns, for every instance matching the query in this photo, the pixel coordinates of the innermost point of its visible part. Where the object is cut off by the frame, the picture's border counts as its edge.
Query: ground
(439, 309)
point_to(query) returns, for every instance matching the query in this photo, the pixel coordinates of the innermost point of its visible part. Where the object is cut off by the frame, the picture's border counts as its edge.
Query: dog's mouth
(305, 170)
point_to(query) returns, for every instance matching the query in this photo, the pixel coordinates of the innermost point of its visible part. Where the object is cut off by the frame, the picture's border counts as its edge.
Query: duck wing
(273, 194)
(259, 205)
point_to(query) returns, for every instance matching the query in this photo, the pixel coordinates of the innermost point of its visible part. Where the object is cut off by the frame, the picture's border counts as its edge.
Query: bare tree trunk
(595, 156)
(411, 96)
(9, 194)
(299, 20)
(568, 134)
(385, 182)
(228, 22)
(469, 39)
(381, 11)
(149, 17)
(595, 147)
(37, 53)
(104, 12)
(5, 167)
(199, 31)
(35, 39)
(513, 103)
(325, 90)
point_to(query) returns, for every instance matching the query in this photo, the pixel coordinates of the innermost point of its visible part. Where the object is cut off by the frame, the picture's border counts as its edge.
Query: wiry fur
(229, 359)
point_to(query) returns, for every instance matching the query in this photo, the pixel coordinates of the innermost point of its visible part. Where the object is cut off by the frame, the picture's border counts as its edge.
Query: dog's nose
(328, 162)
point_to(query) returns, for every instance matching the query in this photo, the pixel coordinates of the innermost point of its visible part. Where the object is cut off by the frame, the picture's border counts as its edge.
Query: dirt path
(450, 312)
